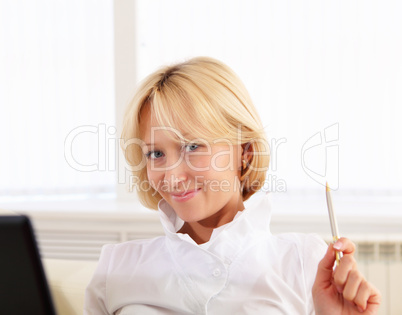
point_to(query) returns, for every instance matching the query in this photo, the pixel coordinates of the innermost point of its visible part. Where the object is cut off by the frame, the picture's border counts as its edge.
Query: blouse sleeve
(95, 294)
(314, 250)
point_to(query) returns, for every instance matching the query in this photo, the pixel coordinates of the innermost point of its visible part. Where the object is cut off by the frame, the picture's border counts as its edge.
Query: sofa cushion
(68, 280)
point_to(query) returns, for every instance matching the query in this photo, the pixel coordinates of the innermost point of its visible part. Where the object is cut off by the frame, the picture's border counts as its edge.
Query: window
(56, 92)
(325, 77)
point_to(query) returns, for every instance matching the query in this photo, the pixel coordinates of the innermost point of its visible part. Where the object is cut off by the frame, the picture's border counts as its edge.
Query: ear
(247, 152)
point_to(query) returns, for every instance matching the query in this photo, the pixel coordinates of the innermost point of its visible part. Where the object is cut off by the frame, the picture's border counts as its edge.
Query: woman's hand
(343, 290)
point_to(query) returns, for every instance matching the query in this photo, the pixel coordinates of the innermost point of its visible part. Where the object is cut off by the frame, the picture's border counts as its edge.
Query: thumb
(325, 269)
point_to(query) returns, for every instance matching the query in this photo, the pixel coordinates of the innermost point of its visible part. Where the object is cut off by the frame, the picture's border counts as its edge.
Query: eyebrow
(151, 144)
(184, 135)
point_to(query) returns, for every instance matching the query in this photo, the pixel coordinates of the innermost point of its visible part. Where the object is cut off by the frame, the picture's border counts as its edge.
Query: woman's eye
(191, 147)
(154, 154)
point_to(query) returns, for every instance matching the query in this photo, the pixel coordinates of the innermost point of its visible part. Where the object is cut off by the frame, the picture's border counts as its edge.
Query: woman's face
(199, 180)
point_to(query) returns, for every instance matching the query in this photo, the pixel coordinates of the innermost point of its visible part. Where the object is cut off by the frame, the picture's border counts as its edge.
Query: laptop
(23, 286)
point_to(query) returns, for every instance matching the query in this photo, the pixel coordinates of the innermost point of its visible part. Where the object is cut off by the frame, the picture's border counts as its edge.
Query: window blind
(56, 82)
(325, 78)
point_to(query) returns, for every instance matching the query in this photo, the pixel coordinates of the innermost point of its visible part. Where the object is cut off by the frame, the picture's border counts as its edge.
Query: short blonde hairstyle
(205, 98)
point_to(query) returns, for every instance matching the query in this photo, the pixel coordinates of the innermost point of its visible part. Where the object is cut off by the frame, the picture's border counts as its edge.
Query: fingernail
(339, 289)
(338, 245)
(361, 310)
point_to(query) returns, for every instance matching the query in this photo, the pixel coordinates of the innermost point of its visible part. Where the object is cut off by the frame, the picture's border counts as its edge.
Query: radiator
(379, 260)
(381, 263)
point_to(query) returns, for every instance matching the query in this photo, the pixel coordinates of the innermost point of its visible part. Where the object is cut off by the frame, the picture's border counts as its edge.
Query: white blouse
(242, 269)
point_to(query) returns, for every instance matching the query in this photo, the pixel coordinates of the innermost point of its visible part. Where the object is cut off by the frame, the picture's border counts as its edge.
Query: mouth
(185, 195)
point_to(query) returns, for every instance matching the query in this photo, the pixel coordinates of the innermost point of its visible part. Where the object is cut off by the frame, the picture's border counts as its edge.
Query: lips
(186, 195)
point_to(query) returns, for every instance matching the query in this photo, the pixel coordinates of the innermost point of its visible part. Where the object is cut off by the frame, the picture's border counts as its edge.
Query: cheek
(225, 162)
(198, 163)
(155, 179)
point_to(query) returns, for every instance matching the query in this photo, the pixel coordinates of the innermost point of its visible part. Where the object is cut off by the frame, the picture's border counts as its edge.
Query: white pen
(332, 219)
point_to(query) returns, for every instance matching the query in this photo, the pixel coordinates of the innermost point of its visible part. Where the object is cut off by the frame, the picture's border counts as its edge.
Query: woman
(197, 147)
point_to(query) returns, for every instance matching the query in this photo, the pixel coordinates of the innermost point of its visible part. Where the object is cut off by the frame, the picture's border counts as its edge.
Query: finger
(341, 274)
(367, 296)
(352, 286)
(362, 295)
(325, 268)
(345, 245)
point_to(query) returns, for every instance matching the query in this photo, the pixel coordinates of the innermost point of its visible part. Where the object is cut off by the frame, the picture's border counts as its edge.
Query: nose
(176, 172)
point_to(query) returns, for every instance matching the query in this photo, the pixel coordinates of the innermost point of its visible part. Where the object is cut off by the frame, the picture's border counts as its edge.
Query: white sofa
(68, 280)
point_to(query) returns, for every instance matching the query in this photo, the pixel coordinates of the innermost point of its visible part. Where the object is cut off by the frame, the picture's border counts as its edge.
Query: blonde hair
(205, 98)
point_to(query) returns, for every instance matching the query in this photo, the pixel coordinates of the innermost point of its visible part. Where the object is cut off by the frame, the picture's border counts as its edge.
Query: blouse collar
(255, 218)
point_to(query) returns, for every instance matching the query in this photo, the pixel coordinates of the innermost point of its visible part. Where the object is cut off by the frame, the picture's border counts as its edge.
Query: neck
(199, 235)
(201, 231)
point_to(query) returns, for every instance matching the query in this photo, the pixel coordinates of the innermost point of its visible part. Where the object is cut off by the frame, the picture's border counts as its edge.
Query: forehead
(150, 128)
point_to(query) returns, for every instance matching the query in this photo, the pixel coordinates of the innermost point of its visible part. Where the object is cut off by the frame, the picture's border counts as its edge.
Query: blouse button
(216, 272)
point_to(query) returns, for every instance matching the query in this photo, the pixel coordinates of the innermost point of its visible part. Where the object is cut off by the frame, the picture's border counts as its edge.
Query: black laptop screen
(23, 286)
